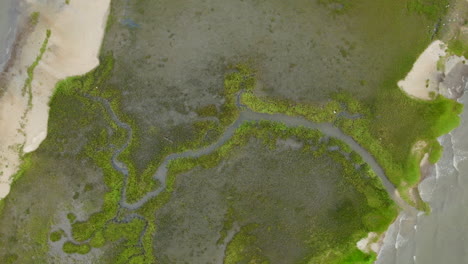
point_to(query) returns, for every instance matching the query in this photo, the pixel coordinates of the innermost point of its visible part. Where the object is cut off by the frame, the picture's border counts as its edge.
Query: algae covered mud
(8, 20)
(226, 131)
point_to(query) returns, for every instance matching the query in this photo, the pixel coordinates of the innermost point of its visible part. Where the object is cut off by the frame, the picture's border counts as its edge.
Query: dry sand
(369, 243)
(77, 32)
(424, 77)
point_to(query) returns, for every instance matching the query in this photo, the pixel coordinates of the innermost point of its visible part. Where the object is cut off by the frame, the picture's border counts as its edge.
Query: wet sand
(424, 77)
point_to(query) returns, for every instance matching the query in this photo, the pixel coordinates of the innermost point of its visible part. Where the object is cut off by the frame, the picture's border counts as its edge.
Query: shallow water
(8, 20)
(245, 115)
(442, 236)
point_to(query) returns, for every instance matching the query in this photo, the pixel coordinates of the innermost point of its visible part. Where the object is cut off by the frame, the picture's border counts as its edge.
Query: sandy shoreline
(434, 72)
(423, 79)
(77, 30)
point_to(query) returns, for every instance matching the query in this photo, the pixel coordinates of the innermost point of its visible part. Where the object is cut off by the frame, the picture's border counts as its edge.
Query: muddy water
(442, 236)
(8, 20)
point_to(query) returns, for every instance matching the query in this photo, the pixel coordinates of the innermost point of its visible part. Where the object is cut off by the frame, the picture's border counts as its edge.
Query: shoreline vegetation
(30, 78)
(95, 231)
(243, 79)
(401, 164)
(397, 142)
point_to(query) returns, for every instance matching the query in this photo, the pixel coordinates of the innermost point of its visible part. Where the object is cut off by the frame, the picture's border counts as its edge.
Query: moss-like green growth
(34, 18)
(56, 235)
(435, 151)
(26, 163)
(315, 113)
(432, 9)
(71, 217)
(10, 259)
(209, 110)
(88, 187)
(2, 205)
(75, 87)
(458, 47)
(351, 256)
(99, 228)
(98, 240)
(27, 88)
(129, 231)
(227, 225)
(242, 249)
(70, 248)
(242, 79)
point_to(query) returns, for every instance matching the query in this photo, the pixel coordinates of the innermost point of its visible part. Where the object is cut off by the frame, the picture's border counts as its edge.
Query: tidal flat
(171, 71)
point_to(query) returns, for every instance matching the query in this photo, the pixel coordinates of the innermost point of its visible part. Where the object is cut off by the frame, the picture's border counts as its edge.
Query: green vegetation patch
(458, 47)
(388, 137)
(242, 248)
(252, 193)
(10, 258)
(70, 248)
(27, 87)
(34, 18)
(71, 217)
(56, 235)
(432, 9)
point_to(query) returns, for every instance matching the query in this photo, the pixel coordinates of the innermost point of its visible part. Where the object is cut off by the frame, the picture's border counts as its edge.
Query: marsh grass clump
(10, 258)
(242, 248)
(26, 163)
(458, 47)
(432, 9)
(209, 110)
(56, 235)
(316, 113)
(71, 217)
(71, 248)
(27, 87)
(34, 18)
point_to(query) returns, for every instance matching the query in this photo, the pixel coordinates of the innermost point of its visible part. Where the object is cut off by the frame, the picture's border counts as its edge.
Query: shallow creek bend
(246, 115)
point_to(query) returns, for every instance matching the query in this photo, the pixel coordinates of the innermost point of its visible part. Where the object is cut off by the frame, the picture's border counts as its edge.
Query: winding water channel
(246, 115)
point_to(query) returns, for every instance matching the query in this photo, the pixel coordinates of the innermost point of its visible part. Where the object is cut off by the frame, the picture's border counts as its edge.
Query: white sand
(77, 32)
(424, 76)
(369, 243)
